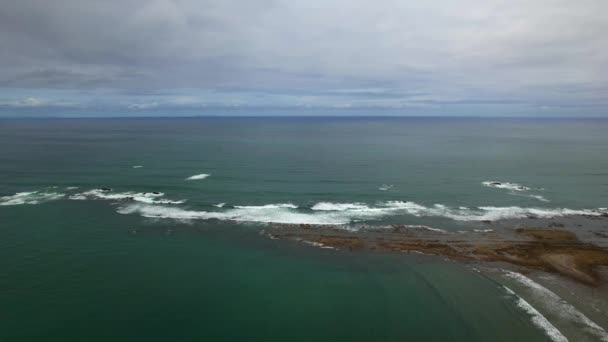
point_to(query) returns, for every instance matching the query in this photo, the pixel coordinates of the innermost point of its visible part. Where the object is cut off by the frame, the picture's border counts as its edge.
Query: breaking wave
(506, 185)
(487, 213)
(273, 213)
(538, 319)
(559, 307)
(329, 213)
(107, 194)
(199, 176)
(328, 206)
(386, 187)
(515, 189)
(344, 213)
(32, 197)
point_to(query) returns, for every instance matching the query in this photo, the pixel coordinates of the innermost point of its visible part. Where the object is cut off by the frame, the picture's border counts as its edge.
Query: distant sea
(149, 229)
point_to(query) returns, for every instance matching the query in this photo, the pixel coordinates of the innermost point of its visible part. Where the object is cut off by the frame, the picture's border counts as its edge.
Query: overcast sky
(394, 57)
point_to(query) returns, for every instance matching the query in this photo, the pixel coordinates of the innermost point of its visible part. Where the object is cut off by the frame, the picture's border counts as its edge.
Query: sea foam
(506, 185)
(320, 213)
(272, 213)
(486, 213)
(537, 318)
(32, 197)
(515, 189)
(199, 176)
(329, 213)
(144, 197)
(559, 307)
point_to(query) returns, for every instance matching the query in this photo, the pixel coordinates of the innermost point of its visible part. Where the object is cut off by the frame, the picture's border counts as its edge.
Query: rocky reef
(552, 248)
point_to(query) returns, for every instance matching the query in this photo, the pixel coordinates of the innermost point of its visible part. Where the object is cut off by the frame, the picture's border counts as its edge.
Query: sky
(303, 57)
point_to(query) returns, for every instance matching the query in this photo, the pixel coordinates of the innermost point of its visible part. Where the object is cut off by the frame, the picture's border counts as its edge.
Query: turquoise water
(80, 264)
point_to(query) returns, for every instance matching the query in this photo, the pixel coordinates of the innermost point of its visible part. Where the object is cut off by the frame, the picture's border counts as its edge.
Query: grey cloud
(334, 53)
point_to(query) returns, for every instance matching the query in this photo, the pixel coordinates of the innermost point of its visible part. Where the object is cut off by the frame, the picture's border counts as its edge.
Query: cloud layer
(442, 57)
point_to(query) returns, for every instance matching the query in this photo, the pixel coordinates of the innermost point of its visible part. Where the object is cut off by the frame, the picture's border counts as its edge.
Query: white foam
(538, 319)
(540, 198)
(386, 187)
(487, 213)
(559, 307)
(137, 166)
(199, 176)
(219, 205)
(515, 189)
(273, 213)
(32, 197)
(328, 206)
(71, 188)
(267, 206)
(144, 197)
(506, 185)
(337, 213)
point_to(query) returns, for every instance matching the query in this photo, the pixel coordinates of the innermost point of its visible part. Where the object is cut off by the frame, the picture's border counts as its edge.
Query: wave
(487, 213)
(386, 187)
(267, 206)
(199, 176)
(539, 197)
(274, 213)
(319, 213)
(506, 185)
(328, 206)
(32, 197)
(538, 319)
(327, 213)
(515, 189)
(107, 194)
(137, 166)
(559, 307)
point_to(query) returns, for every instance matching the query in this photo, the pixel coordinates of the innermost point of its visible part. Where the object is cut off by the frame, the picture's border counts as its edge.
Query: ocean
(152, 228)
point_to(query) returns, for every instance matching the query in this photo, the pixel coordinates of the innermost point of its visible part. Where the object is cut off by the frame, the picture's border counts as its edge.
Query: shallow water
(81, 263)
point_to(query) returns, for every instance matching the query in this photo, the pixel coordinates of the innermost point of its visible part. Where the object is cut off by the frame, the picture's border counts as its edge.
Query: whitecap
(506, 185)
(559, 307)
(386, 187)
(144, 197)
(137, 166)
(267, 206)
(338, 213)
(487, 213)
(537, 318)
(515, 189)
(199, 176)
(329, 206)
(31, 197)
(540, 198)
(219, 205)
(273, 213)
